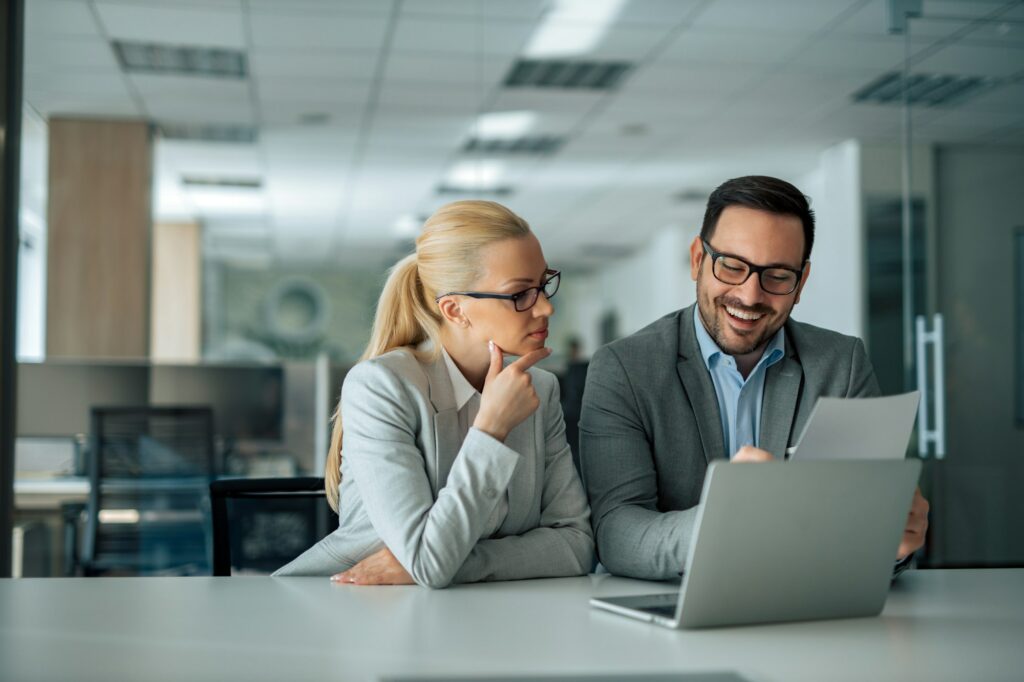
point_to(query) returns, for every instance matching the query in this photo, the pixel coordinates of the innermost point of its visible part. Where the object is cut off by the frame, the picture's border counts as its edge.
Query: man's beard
(714, 322)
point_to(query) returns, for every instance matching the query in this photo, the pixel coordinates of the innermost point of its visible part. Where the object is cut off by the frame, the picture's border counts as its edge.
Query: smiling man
(730, 377)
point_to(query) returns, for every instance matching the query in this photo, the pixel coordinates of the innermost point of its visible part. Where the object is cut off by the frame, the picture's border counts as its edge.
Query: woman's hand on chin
(508, 396)
(380, 568)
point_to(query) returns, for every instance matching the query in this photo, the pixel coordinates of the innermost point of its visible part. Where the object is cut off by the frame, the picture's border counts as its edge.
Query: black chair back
(149, 471)
(260, 524)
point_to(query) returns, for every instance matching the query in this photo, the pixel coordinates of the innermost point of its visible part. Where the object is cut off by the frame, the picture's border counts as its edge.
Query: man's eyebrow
(766, 265)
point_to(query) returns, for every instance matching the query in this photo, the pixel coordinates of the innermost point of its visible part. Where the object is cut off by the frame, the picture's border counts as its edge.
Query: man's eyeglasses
(774, 279)
(523, 300)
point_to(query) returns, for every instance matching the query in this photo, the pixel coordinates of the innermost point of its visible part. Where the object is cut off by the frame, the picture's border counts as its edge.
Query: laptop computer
(786, 541)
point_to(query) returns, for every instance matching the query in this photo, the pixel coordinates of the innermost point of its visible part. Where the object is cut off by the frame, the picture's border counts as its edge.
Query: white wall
(652, 282)
(834, 295)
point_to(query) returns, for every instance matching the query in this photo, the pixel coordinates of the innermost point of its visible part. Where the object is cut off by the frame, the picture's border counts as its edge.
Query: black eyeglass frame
(555, 275)
(752, 269)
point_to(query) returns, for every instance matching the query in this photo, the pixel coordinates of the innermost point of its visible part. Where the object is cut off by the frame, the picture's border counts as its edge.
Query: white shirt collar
(462, 388)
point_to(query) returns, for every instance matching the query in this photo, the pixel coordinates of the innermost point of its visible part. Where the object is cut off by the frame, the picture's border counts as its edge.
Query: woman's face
(509, 266)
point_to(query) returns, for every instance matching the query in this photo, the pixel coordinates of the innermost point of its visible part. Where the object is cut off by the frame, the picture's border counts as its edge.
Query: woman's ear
(452, 311)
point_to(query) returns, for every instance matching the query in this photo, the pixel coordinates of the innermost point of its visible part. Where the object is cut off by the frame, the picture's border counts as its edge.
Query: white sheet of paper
(858, 428)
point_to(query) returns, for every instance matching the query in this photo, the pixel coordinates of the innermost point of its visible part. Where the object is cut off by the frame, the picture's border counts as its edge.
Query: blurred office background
(212, 190)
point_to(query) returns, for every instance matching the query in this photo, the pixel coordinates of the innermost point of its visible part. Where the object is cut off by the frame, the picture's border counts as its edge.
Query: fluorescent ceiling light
(504, 125)
(227, 201)
(573, 27)
(475, 175)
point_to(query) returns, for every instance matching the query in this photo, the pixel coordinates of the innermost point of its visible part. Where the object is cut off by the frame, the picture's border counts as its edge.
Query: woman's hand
(380, 568)
(508, 396)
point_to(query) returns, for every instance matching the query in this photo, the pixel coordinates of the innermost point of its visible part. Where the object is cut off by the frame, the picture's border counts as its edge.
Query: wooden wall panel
(176, 308)
(99, 235)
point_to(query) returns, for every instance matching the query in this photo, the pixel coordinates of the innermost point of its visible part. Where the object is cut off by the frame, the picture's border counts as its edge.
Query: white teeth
(743, 315)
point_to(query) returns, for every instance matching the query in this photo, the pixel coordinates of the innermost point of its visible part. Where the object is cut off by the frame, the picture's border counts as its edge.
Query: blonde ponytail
(447, 258)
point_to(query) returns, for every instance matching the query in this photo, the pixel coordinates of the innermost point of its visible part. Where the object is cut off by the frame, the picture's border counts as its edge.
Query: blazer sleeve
(562, 544)
(430, 538)
(863, 382)
(634, 538)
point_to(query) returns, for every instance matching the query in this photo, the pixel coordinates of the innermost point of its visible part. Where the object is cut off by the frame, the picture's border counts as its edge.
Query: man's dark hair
(764, 194)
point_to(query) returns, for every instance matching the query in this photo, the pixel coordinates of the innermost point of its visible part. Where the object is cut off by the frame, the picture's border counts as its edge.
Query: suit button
(490, 492)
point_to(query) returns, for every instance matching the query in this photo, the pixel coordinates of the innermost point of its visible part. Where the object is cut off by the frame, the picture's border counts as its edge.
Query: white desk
(46, 493)
(938, 625)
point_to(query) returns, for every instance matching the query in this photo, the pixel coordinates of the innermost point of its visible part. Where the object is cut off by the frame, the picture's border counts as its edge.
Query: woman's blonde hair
(447, 258)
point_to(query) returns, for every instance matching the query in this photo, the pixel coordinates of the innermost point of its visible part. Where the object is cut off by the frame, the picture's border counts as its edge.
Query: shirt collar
(462, 388)
(711, 353)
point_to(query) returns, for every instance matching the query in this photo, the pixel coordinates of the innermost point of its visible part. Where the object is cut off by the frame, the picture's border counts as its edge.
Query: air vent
(566, 75)
(175, 59)
(924, 89)
(534, 144)
(208, 133)
(221, 182)
(500, 191)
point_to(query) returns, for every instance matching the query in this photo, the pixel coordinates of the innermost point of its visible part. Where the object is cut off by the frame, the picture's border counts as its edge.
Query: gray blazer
(650, 426)
(408, 485)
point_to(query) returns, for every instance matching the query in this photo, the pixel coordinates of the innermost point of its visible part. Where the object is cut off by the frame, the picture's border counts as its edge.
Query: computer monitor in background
(247, 400)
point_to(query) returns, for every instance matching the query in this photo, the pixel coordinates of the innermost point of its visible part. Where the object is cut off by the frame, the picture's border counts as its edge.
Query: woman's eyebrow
(526, 280)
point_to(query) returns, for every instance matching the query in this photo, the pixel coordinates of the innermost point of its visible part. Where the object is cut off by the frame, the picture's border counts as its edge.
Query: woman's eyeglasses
(522, 300)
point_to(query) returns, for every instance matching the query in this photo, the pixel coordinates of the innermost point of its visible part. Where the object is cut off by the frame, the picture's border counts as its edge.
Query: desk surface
(937, 625)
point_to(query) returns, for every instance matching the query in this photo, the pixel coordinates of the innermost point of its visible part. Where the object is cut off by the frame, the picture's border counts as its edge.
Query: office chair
(149, 472)
(260, 524)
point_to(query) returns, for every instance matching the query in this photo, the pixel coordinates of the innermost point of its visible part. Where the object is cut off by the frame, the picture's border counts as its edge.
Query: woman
(455, 467)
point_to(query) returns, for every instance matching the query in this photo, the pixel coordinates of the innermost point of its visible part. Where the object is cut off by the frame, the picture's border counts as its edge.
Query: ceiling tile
(318, 30)
(717, 46)
(189, 25)
(459, 36)
(972, 60)
(407, 67)
(777, 15)
(472, 9)
(285, 63)
(59, 17)
(75, 55)
(337, 89)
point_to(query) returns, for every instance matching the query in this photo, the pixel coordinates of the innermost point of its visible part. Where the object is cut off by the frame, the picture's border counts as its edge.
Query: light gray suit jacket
(650, 426)
(408, 485)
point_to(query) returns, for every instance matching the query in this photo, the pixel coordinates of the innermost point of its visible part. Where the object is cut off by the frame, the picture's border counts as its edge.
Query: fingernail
(336, 578)
(490, 346)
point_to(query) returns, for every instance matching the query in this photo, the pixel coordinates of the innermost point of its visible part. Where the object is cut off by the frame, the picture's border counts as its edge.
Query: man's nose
(750, 292)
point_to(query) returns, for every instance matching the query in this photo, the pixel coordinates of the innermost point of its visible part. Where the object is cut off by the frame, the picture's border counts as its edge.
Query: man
(730, 377)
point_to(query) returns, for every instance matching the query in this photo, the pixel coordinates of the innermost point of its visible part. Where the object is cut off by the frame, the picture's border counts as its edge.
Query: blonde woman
(451, 465)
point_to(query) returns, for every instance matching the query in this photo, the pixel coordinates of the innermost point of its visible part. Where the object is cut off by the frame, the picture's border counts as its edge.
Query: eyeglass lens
(773, 280)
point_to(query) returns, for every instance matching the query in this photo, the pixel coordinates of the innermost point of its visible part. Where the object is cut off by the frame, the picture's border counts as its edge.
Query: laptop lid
(789, 541)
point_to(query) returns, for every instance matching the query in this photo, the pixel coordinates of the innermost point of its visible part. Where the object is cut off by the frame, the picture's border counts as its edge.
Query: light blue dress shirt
(739, 399)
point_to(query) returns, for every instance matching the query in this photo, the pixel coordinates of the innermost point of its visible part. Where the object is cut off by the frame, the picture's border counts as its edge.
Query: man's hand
(748, 453)
(380, 568)
(917, 526)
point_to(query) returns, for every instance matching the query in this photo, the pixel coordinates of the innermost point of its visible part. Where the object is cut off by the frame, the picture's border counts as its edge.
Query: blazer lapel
(778, 408)
(446, 421)
(699, 389)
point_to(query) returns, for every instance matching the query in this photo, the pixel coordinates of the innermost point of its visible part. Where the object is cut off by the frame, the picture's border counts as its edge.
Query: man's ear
(452, 311)
(696, 255)
(803, 280)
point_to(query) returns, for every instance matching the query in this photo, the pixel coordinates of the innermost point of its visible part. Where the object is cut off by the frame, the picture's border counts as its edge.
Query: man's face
(742, 318)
